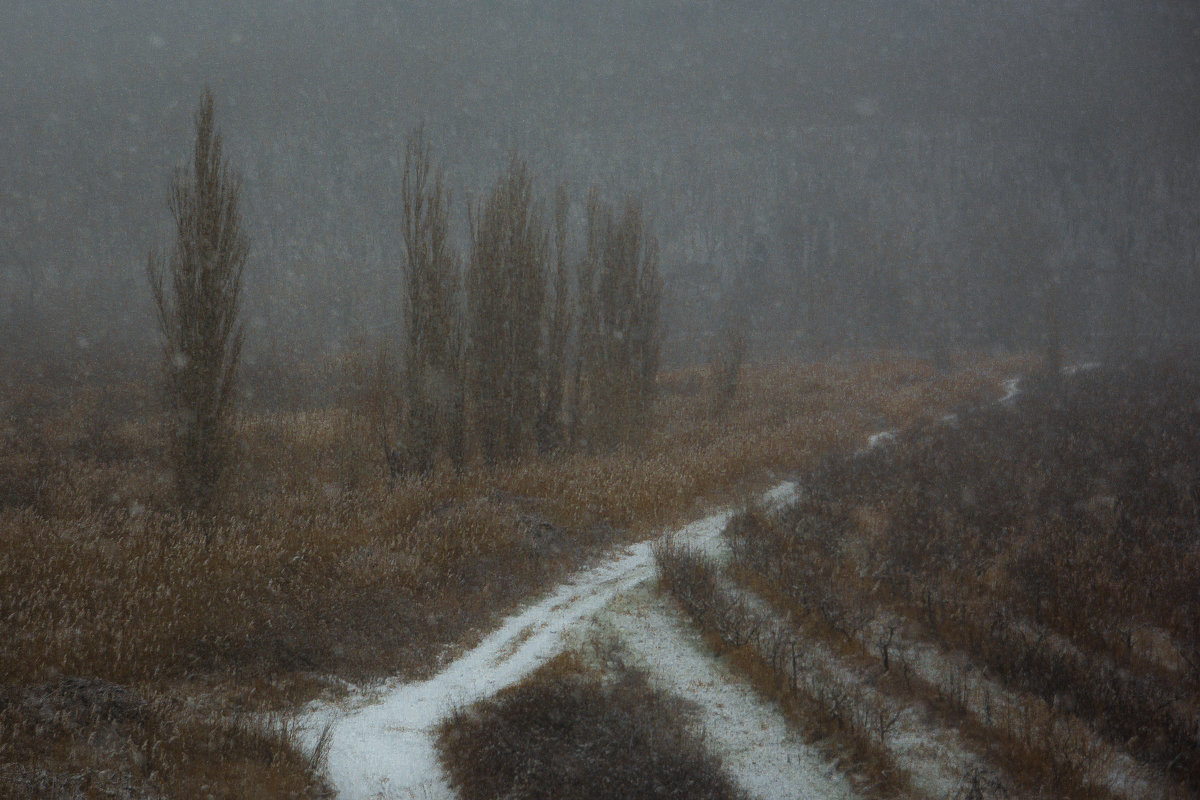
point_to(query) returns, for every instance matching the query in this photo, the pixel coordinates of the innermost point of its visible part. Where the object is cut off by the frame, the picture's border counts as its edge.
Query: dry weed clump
(576, 731)
(75, 737)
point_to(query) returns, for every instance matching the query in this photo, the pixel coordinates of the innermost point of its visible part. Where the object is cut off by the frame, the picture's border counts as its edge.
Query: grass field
(319, 565)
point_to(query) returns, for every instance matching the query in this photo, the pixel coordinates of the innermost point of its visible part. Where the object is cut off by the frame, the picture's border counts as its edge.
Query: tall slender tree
(432, 376)
(620, 299)
(506, 297)
(196, 287)
(558, 330)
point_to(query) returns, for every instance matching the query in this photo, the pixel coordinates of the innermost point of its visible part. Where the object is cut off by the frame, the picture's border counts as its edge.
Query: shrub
(570, 732)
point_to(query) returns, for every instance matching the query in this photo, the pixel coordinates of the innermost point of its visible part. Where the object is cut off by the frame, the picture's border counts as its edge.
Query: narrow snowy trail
(383, 747)
(380, 743)
(386, 747)
(761, 753)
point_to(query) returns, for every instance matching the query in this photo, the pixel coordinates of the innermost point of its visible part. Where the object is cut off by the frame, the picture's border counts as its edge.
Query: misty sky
(687, 103)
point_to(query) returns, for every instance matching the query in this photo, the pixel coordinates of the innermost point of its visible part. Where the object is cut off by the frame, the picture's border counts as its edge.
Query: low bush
(574, 732)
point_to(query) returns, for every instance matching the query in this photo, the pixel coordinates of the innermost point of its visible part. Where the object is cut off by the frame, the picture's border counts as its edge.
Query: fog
(927, 174)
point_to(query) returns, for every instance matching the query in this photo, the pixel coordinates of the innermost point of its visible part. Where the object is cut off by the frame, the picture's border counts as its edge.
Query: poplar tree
(506, 294)
(558, 330)
(431, 380)
(196, 287)
(620, 299)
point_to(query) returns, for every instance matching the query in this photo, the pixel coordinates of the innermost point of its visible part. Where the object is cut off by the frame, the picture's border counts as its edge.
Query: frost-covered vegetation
(1024, 573)
(634, 261)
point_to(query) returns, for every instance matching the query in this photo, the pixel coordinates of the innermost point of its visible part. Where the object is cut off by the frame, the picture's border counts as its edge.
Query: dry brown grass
(318, 564)
(1050, 542)
(571, 731)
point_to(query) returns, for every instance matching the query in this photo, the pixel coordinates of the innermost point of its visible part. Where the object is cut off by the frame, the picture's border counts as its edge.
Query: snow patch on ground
(381, 740)
(1012, 387)
(1087, 366)
(780, 497)
(878, 440)
(759, 750)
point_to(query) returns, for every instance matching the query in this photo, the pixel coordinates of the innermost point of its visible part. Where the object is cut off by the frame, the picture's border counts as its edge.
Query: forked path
(381, 744)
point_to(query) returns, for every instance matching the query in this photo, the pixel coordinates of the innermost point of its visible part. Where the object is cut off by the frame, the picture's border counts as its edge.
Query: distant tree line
(524, 343)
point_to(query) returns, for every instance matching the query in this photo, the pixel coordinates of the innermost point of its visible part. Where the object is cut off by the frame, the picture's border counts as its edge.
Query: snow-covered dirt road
(381, 741)
(758, 749)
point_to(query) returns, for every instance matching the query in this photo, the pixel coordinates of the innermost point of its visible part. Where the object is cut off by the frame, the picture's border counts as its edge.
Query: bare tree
(1054, 327)
(727, 360)
(558, 330)
(432, 374)
(587, 349)
(620, 302)
(506, 295)
(196, 288)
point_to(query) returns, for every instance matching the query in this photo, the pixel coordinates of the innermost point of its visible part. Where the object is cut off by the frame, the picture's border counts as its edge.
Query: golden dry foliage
(320, 565)
(80, 737)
